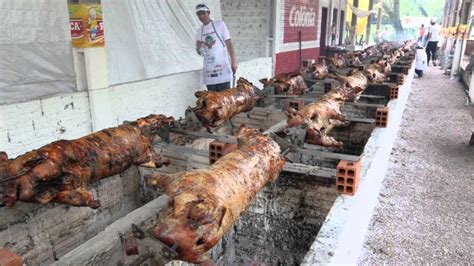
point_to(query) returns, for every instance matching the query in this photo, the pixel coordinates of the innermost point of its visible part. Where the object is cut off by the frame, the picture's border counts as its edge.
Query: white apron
(217, 67)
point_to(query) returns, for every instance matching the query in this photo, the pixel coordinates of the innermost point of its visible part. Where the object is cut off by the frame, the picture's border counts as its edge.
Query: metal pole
(367, 33)
(379, 15)
(301, 48)
(355, 3)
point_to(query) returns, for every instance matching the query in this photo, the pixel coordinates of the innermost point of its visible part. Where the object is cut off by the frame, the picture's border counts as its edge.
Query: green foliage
(434, 8)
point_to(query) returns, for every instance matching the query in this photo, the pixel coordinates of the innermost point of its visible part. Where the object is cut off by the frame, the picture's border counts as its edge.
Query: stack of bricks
(397, 78)
(328, 86)
(400, 79)
(8, 258)
(296, 104)
(394, 92)
(347, 177)
(217, 149)
(381, 117)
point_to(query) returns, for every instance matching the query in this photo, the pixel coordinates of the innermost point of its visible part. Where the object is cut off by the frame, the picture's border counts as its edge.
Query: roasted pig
(337, 61)
(215, 108)
(315, 71)
(353, 84)
(320, 118)
(60, 171)
(374, 74)
(353, 59)
(291, 84)
(203, 204)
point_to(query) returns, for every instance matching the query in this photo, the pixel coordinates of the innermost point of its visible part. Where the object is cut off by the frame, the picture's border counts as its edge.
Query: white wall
(169, 95)
(249, 26)
(29, 125)
(255, 69)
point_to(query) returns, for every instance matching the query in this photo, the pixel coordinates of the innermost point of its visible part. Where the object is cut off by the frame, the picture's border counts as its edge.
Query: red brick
(217, 149)
(8, 258)
(394, 92)
(405, 70)
(328, 86)
(296, 104)
(400, 79)
(347, 177)
(381, 117)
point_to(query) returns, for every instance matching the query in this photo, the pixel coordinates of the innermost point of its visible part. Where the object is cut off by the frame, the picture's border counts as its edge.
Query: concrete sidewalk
(425, 212)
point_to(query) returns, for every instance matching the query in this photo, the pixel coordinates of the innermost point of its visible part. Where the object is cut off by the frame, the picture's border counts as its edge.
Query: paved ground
(426, 207)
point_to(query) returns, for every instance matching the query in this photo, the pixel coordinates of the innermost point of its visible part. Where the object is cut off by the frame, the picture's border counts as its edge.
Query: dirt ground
(425, 212)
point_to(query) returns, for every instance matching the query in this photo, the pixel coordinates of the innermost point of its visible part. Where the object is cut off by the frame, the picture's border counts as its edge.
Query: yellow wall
(361, 22)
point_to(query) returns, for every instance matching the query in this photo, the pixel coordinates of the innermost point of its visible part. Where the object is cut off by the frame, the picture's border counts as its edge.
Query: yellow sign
(87, 28)
(462, 31)
(361, 21)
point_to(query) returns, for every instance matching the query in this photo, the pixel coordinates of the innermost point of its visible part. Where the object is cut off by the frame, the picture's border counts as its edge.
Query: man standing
(433, 38)
(214, 44)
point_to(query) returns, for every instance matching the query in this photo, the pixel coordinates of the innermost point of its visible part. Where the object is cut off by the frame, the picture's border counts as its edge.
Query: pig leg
(150, 159)
(328, 141)
(162, 181)
(19, 188)
(79, 197)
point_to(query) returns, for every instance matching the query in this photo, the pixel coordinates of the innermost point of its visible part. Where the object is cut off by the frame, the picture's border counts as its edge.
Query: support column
(367, 32)
(100, 98)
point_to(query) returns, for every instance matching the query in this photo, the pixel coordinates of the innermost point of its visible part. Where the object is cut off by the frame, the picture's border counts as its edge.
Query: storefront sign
(300, 16)
(87, 27)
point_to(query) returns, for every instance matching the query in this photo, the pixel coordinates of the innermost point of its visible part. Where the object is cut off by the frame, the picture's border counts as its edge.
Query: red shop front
(300, 35)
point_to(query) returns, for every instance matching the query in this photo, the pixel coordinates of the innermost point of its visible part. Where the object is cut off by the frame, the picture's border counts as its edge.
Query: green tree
(392, 9)
(395, 10)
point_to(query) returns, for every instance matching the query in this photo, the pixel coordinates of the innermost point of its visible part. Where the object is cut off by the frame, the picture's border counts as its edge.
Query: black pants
(218, 87)
(419, 73)
(431, 51)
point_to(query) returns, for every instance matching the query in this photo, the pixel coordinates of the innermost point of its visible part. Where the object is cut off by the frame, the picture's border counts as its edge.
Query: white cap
(202, 7)
(433, 20)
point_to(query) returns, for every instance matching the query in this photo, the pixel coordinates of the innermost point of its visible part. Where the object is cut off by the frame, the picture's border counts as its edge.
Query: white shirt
(421, 59)
(434, 30)
(217, 68)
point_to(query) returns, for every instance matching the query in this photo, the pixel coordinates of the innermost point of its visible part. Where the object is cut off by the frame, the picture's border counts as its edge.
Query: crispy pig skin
(353, 84)
(59, 171)
(287, 84)
(215, 108)
(320, 71)
(205, 203)
(320, 118)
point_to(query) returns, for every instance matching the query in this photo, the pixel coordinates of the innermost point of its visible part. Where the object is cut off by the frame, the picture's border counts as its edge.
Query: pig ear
(3, 156)
(158, 180)
(264, 81)
(290, 112)
(302, 71)
(358, 89)
(199, 94)
(216, 113)
(242, 129)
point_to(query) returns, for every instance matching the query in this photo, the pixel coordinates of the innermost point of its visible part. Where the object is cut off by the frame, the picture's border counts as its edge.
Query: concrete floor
(425, 212)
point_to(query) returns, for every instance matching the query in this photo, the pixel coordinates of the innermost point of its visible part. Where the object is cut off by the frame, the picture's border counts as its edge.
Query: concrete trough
(299, 219)
(341, 237)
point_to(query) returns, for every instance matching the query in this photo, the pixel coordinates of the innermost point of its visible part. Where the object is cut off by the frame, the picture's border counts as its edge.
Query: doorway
(334, 30)
(324, 27)
(342, 19)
